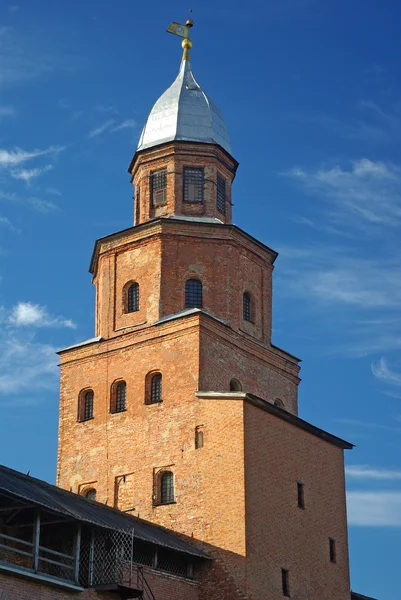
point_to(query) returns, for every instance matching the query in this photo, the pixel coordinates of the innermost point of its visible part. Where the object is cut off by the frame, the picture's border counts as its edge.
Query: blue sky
(312, 96)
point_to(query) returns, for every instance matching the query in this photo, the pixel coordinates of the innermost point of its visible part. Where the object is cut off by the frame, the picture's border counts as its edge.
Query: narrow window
(133, 297)
(85, 405)
(193, 293)
(90, 494)
(301, 499)
(118, 397)
(221, 195)
(167, 488)
(285, 580)
(156, 389)
(198, 438)
(193, 185)
(235, 386)
(333, 557)
(137, 204)
(247, 308)
(158, 187)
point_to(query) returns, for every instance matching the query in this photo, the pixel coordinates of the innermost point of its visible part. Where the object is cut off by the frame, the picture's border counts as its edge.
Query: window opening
(90, 494)
(235, 386)
(301, 499)
(198, 438)
(247, 307)
(156, 388)
(193, 185)
(278, 402)
(221, 195)
(158, 187)
(118, 397)
(85, 405)
(193, 293)
(133, 297)
(167, 488)
(285, 579)
(332, 550)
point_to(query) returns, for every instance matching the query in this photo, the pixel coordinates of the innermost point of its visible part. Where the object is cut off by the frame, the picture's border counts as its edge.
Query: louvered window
(133, 297)
(193, 293)
(158, 187)
(221, 194)
(193, 185)
(167, 488)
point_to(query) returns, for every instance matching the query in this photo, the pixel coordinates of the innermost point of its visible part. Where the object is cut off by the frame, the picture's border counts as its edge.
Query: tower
(180, 409)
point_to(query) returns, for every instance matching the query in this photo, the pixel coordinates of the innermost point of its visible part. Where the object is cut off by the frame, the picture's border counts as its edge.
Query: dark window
(137, 204)
(235, 386)
(133, 297)
(301, 500)
(193, 185)
(91, 494)
(278, 402)
(85, 405)
(156, 388)
(118, 397)
(193, 293)
(247, 308)
(167, 488)
(221, 194)
(285, 580)
(198, 438)
(158, 187)
(332, 550)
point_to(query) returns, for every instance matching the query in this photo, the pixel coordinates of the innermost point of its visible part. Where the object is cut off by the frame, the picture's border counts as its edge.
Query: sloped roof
(79, 508)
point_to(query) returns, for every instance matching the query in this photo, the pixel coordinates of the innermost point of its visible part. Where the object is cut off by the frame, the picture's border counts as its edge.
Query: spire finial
(183, 31)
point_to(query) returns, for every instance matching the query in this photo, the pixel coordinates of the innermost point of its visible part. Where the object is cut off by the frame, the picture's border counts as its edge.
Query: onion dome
(185, 113)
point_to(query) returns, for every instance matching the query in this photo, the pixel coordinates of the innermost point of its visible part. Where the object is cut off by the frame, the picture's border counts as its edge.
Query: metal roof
(68, 504)
(185, 112)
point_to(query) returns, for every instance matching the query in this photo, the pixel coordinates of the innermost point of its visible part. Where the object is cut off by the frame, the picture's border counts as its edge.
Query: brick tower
(181, 410)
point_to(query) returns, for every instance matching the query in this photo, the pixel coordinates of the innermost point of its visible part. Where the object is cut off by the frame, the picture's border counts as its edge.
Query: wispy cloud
(7, 223)
(381, 370)
(366, 472)
(101, 129)
(7, 111)
(11, 158)
(374, 509)
(28, 174)
(25, 314)
(127, 124)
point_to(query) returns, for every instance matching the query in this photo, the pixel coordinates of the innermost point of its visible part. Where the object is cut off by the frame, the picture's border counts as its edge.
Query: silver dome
(184, 112)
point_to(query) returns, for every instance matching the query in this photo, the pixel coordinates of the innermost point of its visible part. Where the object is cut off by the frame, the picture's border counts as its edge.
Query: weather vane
(183, 31)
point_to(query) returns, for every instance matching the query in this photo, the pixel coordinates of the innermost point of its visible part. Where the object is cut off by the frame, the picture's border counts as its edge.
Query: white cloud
(28, 174)
(365, 194)
(43, 206)
(101, 129)
(27, 314)
(11, 158)
(7, 111)
(127, 124)
(382, 372)
(374, 509)
(7, 223)
(366, 472)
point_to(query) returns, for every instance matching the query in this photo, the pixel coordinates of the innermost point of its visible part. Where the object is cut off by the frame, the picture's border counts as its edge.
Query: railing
(143, 585)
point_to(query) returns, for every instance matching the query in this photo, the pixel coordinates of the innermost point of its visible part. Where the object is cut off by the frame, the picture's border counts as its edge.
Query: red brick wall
(281, 535)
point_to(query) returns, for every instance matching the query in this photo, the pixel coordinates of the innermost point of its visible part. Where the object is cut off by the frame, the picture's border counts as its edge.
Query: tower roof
(184, 113)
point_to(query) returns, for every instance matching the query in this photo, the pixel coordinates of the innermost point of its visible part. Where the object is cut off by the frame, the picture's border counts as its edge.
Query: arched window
(167, 488)
(85, 405)
(90, 494)
(132, 301)
(193, 293)
(235, 386)
(278, 402)
(247, 307)
(198, 438)
(118, 397)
